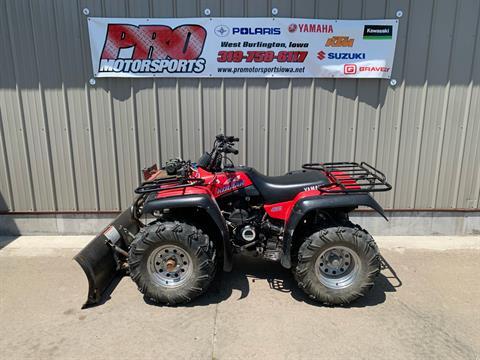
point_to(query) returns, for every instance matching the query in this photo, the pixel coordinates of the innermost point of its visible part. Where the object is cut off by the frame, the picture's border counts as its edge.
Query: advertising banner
(242, 47)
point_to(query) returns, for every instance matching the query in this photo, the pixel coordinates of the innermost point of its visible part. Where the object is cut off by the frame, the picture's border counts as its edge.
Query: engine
(253, 232)
(245, 225)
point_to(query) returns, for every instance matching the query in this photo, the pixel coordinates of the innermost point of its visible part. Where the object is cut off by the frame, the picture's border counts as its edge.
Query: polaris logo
(256, 31)
(346, 56)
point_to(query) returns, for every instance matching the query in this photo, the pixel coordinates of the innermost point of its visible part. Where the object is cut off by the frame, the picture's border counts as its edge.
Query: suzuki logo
(321, 55)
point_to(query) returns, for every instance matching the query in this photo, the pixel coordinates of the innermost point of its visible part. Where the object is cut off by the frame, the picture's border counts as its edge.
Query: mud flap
(99, 259)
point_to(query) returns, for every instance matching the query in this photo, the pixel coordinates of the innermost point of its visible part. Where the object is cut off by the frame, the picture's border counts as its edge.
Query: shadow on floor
(247, 270)
(5, 240)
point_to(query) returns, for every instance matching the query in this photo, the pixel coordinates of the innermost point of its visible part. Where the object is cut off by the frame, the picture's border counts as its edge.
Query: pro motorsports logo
(153, 49)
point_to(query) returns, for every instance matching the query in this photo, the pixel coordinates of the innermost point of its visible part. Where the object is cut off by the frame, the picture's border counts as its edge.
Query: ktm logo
(340, 41)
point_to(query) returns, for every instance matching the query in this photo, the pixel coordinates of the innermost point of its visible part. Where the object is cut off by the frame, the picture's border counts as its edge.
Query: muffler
(103, 257)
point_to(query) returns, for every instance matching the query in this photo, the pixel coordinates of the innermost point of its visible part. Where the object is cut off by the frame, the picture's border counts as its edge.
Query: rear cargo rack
(167, 183)
(351, 177)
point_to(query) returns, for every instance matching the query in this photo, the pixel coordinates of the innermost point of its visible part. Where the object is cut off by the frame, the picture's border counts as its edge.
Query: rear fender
(202, 201)
(305, 205)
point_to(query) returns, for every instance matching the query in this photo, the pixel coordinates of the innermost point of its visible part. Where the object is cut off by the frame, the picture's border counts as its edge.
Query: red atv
(190, 218)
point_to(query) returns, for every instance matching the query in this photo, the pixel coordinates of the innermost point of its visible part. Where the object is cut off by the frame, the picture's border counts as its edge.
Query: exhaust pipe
(103, 258)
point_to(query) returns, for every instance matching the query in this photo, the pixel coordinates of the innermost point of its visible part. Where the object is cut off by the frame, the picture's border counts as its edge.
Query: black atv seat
(276, 189)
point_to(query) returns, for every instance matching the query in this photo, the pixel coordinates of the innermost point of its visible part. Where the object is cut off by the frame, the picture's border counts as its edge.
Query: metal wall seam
(21, 111)
(400, 109)
(418, 148)
(136, 149)
(377, 129)
(444, 113)
(201, 119)
(114, 151)
(179, 119)
(88, 105)
(461, 153)
(440, 143)
(333, 122)
(266, 125)
(288, 127)
(478, 188)
(223, 127)
(67, 119)
(311, 115)
(465, 123)
(10, 204)
(245, 122)
(45, 124)
(355, 123)
(157, 122)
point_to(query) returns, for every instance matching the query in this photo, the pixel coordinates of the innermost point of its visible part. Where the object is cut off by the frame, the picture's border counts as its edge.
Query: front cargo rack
(351, 177)
(167, 183)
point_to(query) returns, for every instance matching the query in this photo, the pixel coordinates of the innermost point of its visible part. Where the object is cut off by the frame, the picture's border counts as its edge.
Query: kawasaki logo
(377, 32)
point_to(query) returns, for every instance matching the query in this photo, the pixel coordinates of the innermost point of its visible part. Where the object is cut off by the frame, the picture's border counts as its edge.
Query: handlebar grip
(231, 139)
(234, 151)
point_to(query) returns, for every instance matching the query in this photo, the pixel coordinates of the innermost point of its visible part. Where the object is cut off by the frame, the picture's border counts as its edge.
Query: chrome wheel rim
(169, 266)
(337, 267)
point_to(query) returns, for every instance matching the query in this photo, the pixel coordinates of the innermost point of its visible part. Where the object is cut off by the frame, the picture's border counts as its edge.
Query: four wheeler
(190, 218)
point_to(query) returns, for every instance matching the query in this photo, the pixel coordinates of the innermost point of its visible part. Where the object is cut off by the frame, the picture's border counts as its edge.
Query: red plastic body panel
(218, 184)
(191, 190)
(283, 210)
(224, 182)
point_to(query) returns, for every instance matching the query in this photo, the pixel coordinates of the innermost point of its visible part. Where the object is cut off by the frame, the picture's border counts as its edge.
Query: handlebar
(224, 138)
(231, 150)
(212, 161)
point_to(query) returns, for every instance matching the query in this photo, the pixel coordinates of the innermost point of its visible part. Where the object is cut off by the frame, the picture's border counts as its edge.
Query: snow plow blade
(100, 258)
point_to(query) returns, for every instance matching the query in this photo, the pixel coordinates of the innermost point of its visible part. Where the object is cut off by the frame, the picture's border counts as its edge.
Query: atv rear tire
(337, 265)
(172, 262)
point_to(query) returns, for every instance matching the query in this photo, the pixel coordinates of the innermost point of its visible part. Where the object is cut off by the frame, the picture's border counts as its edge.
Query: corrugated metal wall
(69, 146)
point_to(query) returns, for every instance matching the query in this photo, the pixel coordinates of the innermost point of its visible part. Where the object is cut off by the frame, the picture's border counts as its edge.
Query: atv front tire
(337, 265)
(172, 262)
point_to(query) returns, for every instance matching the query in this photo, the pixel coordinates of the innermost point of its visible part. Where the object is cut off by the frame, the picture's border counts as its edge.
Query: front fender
(305, 205)
(202, 201)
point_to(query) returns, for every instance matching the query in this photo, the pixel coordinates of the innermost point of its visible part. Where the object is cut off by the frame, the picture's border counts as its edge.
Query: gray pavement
(425, 306)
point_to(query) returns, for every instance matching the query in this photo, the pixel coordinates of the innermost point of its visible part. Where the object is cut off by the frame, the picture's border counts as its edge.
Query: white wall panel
(68, 146)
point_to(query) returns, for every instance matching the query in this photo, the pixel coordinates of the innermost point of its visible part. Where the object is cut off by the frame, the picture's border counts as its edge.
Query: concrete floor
(428, 310)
